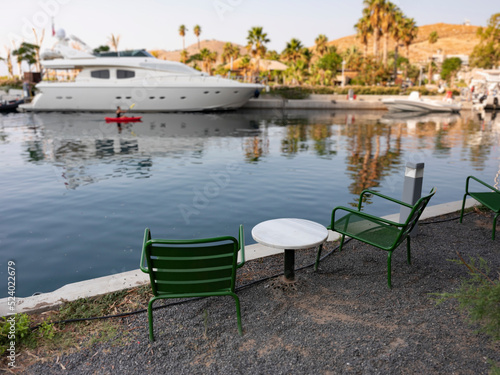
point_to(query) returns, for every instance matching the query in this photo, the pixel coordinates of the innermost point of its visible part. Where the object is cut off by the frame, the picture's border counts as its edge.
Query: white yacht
(414, 103)
(130, 79)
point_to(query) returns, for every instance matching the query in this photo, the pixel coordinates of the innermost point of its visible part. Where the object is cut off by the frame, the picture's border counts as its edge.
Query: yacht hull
(74, 97)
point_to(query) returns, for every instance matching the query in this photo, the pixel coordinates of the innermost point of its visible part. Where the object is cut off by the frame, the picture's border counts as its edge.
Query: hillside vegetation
(453, 40)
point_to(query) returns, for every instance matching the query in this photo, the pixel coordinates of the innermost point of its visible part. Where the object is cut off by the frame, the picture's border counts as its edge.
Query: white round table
(289, 235)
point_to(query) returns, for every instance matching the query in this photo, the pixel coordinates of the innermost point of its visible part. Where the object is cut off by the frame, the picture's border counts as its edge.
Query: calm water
(77, 193)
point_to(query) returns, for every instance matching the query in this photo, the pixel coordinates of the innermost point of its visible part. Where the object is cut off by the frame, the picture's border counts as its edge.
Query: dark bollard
(412, 190)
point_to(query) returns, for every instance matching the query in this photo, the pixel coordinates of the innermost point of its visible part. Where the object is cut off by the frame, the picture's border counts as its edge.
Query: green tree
(272, 55)
(184, 56)
(197, 32)
(409, 33)
(433, 38)
(230, 51)
(389, 20)
(330, 61)
(450, 67)
(208, 59)
(320, 43)
(487, 53)
(364, 30)
(375, 12)
(245, 65)
(294, 51)
(26, 52)
(256, 44)
(100, 49)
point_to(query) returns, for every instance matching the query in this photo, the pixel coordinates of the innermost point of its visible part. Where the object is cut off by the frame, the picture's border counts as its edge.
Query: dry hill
(211, 45)
(453, 40)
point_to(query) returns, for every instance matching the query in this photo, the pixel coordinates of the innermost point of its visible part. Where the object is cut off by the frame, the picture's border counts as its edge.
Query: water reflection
(77, 144)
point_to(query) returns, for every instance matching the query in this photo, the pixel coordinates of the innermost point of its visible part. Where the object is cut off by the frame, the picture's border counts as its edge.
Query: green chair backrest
(191, 266)
(416, 212)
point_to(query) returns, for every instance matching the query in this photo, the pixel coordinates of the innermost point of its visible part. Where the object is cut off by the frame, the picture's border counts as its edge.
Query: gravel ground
(342, 319)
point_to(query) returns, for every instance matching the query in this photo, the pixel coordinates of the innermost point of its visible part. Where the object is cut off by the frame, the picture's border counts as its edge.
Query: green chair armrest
(147, 237)
(479, 181)
(241, 241)
(367, 191)
(363, 214)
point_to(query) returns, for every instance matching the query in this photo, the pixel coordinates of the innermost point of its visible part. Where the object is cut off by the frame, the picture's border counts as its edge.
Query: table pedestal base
(289, 265)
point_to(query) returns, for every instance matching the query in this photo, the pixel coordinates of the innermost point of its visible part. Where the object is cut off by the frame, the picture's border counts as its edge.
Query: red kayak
(123, 119)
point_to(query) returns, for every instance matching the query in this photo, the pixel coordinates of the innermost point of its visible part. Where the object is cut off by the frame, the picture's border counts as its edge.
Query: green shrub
(479, 295)
(14, 328)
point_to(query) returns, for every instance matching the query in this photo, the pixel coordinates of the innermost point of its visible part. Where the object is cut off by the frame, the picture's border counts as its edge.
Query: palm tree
(256, 44)
(230, 51)
(363, 30)
(320, 43)
(113, 41)
(8, 61)
(293, 51)
(182, 33)
(433, 38)
(244, 65)
(410, 31)
(208, 58)
(388, 23)
(197, 32)
(38, 42)
(375, 12)
(352, 57)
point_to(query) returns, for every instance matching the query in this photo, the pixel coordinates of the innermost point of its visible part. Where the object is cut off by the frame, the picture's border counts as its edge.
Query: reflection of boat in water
(412, 119)
(106, 81)
(414, 103)
(77, 141)
(401, 117)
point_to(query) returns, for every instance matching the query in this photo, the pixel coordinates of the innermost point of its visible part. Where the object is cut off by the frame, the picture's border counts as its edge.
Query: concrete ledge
(130, 279)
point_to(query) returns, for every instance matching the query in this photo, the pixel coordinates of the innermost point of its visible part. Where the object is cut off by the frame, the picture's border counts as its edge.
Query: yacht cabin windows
(121, 74)
(102, 74)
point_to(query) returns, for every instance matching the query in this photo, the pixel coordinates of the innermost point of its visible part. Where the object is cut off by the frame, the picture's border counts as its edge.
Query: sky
(154, 24)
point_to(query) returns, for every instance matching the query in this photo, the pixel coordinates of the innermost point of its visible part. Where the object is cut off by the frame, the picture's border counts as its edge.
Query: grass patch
(51, 334)
(479, 296)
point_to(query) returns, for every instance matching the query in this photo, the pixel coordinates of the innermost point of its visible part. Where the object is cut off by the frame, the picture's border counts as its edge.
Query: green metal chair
(192, 268)
(489, 199)
(376, 231)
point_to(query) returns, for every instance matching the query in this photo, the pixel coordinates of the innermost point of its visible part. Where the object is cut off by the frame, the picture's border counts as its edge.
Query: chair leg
(389, 258)
(318, 255)
(238, 313)
(408, 251)
(494, 226)
(150, 319)
(463, 206)
(341, 242)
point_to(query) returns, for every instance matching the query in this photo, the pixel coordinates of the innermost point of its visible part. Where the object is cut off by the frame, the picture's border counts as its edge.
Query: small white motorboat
(414, 103)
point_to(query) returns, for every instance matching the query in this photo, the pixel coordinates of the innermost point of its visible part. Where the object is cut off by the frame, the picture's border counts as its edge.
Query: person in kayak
(119, 112)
